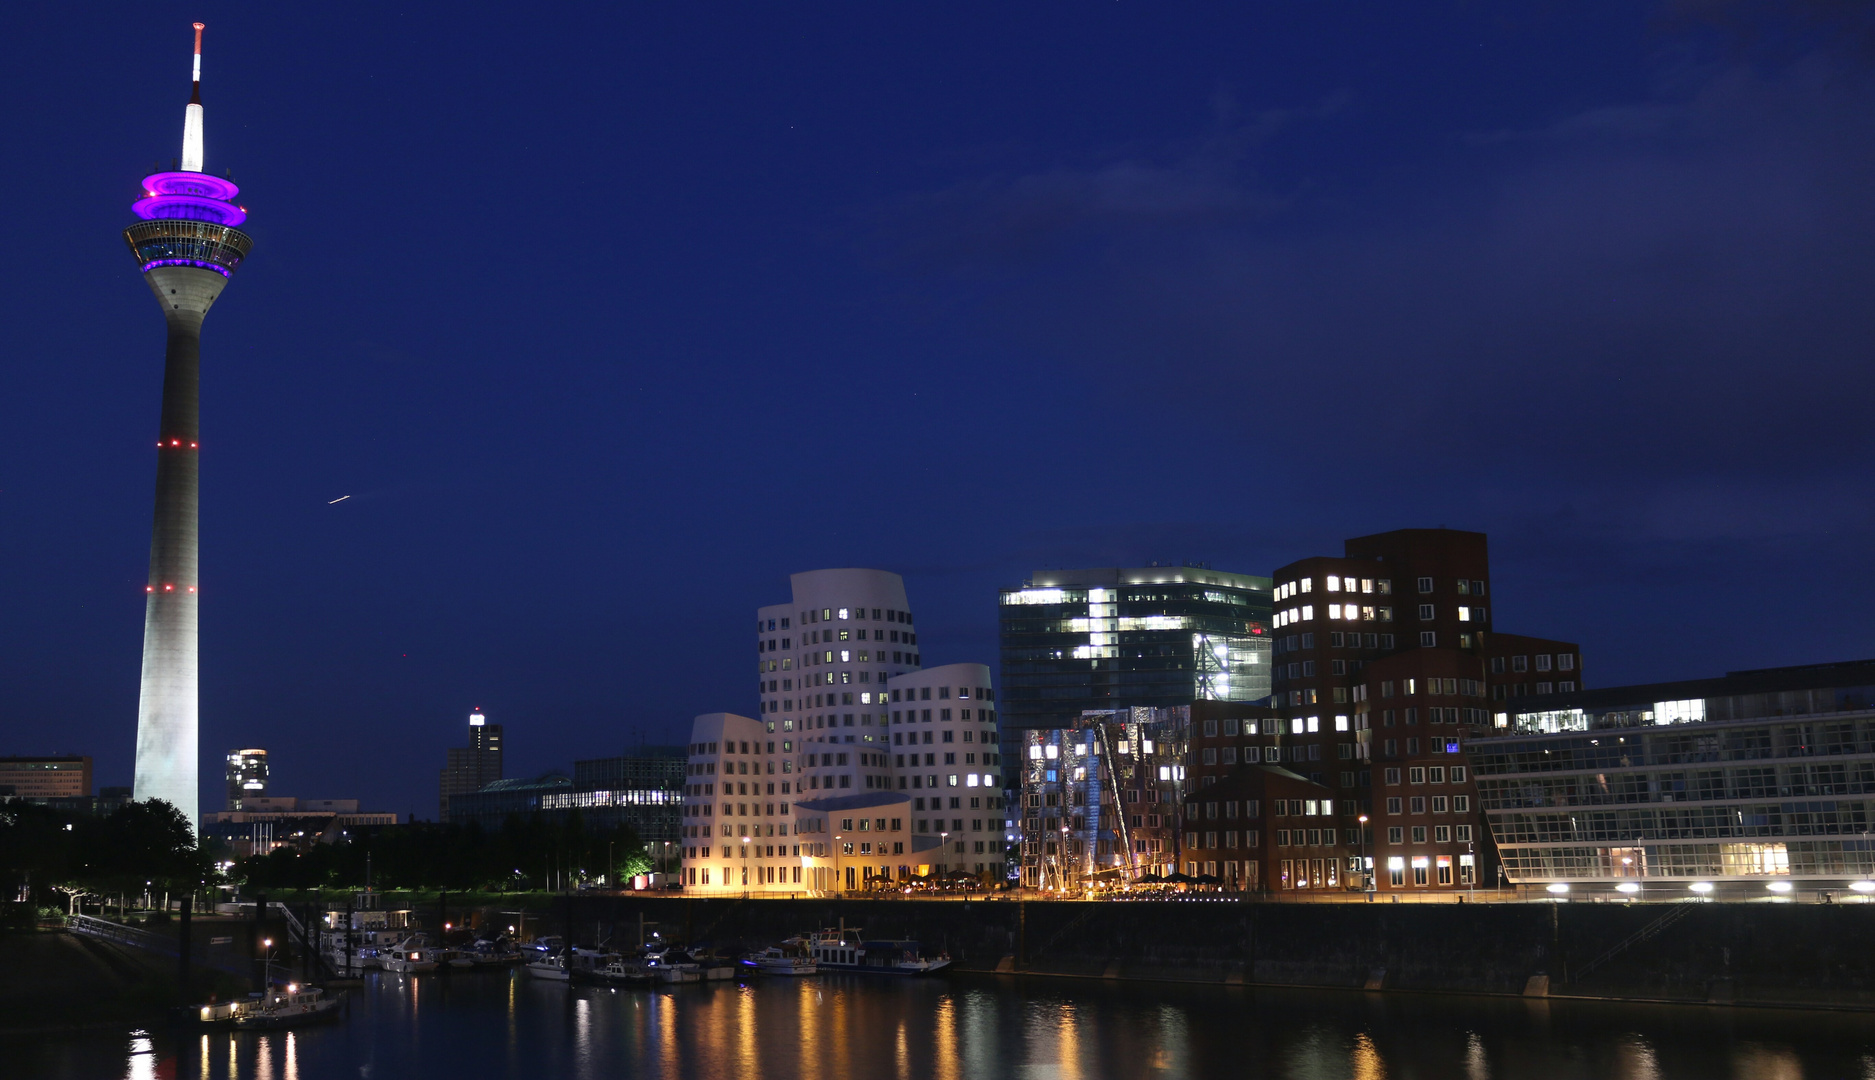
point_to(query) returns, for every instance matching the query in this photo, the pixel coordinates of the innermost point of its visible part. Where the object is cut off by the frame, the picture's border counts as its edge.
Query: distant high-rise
(470, 768)
(247, 776)
(187, 245)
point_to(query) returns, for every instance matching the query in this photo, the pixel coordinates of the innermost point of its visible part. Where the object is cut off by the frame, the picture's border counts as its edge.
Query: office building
(247, 776)
(470, 768)
(827, 653)
(1386, 664)
(1755, 785)
(1109, 639)
(773, 811)
(831, 665)
(643, 790)
(1101, 797)
(57, 777)
(947, 753)
(264, 823)
(186, 243)
(1264, 827)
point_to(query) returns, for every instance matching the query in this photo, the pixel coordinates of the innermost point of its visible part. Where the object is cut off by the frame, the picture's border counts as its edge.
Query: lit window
(1333, 583)
(1315, 723)
(1341, 723)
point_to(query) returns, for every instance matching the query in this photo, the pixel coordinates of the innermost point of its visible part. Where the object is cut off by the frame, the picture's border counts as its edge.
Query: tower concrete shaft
(186, 244)
(167, 754)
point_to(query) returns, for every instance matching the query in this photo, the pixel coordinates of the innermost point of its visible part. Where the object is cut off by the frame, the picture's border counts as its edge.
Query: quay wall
(1809, 955)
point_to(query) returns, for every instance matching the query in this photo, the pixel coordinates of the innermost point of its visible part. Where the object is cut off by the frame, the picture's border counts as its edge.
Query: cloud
(1664, 300)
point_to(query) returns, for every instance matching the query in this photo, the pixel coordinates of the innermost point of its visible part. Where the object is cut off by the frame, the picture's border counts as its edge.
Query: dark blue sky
(608, 318)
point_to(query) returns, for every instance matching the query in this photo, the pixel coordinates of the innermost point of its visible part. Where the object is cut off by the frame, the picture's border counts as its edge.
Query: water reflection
(844, 1028)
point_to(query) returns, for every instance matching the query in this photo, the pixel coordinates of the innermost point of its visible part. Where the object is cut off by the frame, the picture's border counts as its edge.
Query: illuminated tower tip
(192, 117)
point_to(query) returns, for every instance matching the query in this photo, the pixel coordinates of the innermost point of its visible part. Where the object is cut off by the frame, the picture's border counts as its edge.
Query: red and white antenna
(192, 117)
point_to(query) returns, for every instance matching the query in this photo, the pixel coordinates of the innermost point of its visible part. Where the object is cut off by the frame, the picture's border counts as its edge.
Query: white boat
(848, 951)
(358, 951)
(409, 956)
(291, 1007)
(549, 966)
(776, 960)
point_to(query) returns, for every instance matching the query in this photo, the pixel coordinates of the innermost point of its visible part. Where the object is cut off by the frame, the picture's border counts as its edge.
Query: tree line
(524, 853)
(52, 857)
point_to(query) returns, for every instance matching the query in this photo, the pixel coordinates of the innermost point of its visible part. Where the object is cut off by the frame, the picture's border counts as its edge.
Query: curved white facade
(833, 807)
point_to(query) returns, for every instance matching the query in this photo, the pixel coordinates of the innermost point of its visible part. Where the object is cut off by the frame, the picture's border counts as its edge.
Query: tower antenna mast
(192, 117)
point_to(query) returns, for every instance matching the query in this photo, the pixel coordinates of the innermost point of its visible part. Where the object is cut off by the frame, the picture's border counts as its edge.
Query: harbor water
(506, 1024)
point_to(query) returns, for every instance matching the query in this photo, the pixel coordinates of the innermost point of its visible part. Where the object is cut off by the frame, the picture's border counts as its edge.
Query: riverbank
(1815, 956)
(56, 981)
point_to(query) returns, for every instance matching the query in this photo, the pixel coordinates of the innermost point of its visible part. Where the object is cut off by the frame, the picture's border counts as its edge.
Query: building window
(1543, 661)
(1419, 807)
(1425, 612)
(1441, 834)
(1428, 639)
(1396, 872)
(1425, 585)
(1396, 835)
(1565, 662)
(1393, 805)
(1464, 834)
(1520, 663)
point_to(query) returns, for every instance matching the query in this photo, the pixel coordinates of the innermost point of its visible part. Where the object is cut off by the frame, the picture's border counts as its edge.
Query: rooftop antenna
(192, 117)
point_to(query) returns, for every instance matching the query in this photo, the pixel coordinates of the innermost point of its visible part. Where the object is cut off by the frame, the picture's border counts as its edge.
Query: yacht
(547, 965)
(411, 955)
(849, 951)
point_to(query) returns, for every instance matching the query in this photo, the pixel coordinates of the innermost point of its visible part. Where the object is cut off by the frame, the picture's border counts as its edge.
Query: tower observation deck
(187, 243)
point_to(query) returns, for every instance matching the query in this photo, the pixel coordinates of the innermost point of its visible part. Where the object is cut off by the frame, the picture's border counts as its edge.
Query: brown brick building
(1265, 827)
(1386, 664)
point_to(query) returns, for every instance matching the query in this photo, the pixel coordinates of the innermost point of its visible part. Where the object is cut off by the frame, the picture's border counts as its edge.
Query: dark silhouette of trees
(525, 853)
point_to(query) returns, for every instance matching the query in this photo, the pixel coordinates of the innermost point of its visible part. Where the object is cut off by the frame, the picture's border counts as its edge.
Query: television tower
(187, 245)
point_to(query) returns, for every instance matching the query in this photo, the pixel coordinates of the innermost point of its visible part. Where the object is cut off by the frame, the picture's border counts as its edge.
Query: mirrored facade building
(1748, 786)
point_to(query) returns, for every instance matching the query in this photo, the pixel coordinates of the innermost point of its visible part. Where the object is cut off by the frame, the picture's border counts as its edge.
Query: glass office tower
(1078, 641)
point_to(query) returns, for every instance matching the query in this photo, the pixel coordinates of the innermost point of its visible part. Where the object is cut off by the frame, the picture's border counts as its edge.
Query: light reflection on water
(445, 1027)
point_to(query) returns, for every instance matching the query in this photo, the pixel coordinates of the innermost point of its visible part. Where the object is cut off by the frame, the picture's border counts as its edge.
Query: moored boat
(290, 1007)
(411, 955)
(849, 951)
(778, 960)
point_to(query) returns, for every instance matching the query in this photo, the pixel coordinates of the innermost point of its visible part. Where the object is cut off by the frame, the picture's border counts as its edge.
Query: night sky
(608, 317)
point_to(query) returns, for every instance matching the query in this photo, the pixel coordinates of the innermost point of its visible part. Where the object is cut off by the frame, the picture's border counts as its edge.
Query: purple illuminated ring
(202, 185)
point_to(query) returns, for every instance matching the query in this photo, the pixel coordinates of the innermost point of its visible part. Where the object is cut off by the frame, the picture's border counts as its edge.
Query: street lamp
(1367, 868)
(1472, 854)
(838, 884)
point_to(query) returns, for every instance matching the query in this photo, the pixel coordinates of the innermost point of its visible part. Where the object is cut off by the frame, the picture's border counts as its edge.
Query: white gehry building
(842, 800)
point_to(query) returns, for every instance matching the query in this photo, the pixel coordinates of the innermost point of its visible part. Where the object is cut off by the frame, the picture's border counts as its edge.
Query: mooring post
(182, 946)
